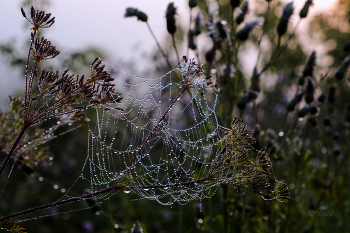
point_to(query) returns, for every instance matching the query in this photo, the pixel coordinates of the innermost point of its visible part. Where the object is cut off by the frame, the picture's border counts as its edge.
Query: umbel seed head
(38, 19)
(43, 50)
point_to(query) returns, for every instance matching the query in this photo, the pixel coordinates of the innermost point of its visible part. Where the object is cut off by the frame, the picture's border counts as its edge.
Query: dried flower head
(309, 66)
(98, 74)
(130, 12)
(281, 192)
(43, 50)
(38, 19)
(170, 18)
(243, 34)
(193, 74)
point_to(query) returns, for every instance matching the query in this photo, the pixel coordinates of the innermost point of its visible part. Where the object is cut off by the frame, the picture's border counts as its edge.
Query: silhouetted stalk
(262, 34)
(275, 55)
(159, 47)
(189, 31)
(19, 137)
(174, 44)
(98, 193)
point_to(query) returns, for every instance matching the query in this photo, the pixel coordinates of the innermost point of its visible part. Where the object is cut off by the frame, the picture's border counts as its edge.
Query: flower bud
(347, 46)
(242, 13)
(327, 121)
(210, 55)
(243, 34)
(312, 121)
(343, 68)
(137, 228)
(313, 109)
(309, 91)
(291, 105)
(283, 23)
(309, 66)
(302, 112)
(255, 82)
(192, 3)
(170, 18)
(246, 98)
(235, 3)
(130, 12)
(305, 9)
(322, 98)
(191, 43)
(331, 94)
(336, 151)
(197, 25)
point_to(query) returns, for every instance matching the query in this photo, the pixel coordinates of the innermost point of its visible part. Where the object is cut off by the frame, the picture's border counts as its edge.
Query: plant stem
(174, 44)
(160, 48)
(97, 193)
(19, 137)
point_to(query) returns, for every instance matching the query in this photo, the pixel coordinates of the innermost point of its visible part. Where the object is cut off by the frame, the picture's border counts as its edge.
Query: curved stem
(174, 44)
(160, 48)
(19, 137)
(98, 193)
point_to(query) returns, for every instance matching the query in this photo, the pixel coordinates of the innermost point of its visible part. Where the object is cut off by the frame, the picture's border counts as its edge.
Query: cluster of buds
(192, 74)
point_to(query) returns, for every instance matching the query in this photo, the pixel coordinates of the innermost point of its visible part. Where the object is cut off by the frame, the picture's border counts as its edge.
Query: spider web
(178, 153)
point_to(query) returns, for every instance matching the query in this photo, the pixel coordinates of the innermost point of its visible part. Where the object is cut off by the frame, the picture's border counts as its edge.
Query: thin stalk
(19, 137)
(262, 34)
(174, 44)
(27, 96)
(97, 193)
(278, 53)
(159, 47)
(189, 31)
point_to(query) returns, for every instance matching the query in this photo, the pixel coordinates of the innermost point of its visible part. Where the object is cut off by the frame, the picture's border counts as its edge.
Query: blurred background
(85, 29)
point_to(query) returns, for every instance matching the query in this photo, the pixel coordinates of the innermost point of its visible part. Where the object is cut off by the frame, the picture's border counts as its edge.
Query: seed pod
(243, 34)
(304, 11)
(343, 68)
(197, 25)
(192, 3)
(170, 18)
(283, 23)
(242, 13)
(235, 3)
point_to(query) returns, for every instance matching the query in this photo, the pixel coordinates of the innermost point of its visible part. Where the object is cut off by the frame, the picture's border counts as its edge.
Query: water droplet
(281, 133)
(63, 190)
(58, 122)
(200, 221)
(116, 226)
(41, 179)
(50, 158)
(126, 191)
(55, 186)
